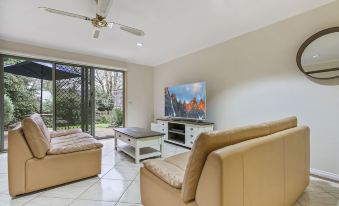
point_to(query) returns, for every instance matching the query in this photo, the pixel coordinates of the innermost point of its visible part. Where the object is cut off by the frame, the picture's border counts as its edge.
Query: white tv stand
(181, 132)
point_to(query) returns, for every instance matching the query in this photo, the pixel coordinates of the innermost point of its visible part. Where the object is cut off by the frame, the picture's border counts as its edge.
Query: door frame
(2, 108)
(124, 83)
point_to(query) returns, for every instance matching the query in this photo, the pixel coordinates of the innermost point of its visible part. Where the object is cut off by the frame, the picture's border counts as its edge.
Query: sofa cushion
(73, 143)
(208, 142)
(169, 173)
(179, 160)
(36, 135)
(171, 170)
(64, 132)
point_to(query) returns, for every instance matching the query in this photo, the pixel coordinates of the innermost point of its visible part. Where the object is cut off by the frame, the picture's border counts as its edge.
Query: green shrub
(9, 110)
(104, 104)
(117, 117)
(104, 120)
(47, 107)
(23, 97)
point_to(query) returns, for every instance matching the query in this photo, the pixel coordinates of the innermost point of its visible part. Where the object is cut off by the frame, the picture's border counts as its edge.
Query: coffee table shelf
(144, 153)
(140, 143)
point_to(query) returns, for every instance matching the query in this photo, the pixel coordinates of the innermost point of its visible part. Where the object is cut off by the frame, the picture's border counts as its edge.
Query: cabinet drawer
(162, 123)
(126, 139)
(191, 135)
(159, 128)
(192, 129)
(190, 143)
(163, 130)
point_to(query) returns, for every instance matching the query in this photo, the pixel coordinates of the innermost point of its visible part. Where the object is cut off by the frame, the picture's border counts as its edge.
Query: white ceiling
(173, 27)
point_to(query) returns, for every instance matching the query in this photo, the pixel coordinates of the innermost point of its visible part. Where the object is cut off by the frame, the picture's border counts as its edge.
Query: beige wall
(255, 78)
(139, 78)
(140, 96)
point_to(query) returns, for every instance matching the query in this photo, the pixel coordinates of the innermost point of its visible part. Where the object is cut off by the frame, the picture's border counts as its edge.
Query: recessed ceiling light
(139, 44)
(316, 56)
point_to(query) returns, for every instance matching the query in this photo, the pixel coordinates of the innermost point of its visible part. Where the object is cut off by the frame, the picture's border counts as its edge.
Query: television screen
(186, 101)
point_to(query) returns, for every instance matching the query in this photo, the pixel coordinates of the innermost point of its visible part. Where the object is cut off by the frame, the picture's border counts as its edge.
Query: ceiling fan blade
(103, 7)
(96, 34)
(131, 30)
(65, 13)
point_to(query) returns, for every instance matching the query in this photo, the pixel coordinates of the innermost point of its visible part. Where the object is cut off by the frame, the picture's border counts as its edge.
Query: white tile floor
(118, 185)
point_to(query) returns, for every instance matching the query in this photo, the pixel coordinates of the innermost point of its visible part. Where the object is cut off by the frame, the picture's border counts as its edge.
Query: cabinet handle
(119, 135)
(163, 130)
(129, 140)
(191, 142)
(191, 129)
(192, 135)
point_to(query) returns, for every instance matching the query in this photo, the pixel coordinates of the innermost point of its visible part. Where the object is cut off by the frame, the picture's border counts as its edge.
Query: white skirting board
(323, 174)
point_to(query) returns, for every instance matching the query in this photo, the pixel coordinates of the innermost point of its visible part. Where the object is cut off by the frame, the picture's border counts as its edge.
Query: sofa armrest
(64, 132)
(18, 154)
(169, 173)
(221, 181)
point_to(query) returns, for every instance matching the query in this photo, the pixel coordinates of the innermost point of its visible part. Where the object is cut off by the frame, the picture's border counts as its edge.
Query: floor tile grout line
(41, 193)
(115, 167)
(299, 203)
(25, 203)
(131, 182)
(77, 197)
(100, 178)
(128, 185)
(108, 171)
(116, 202)
(136, 176)
(332, 195)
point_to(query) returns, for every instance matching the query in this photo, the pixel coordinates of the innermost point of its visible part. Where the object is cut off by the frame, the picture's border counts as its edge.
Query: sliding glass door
(66, 96)
(109, 99)
(73, 97)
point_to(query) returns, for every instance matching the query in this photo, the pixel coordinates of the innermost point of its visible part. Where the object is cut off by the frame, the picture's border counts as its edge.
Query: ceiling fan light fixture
(110, 24)
(139, 44)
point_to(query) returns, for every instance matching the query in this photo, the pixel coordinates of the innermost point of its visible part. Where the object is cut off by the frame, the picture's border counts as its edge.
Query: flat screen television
(186, 101)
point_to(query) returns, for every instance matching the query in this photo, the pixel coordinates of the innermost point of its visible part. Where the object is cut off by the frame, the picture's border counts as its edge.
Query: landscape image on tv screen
(186, 101)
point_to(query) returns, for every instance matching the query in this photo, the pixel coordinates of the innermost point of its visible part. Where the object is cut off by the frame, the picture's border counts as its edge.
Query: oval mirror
(318, 56)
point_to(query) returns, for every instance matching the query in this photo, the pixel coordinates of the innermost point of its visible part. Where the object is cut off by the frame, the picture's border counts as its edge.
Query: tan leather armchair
(39, 159)
(260, 165)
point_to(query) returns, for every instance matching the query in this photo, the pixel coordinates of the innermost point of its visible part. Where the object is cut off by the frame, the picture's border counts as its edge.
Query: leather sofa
(260, 165)
(38, 158)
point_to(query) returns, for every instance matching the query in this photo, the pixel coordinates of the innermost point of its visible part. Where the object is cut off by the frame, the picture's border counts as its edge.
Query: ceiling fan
(99, 21)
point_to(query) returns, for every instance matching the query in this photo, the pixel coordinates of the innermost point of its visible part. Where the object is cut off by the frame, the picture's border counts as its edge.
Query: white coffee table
(140, 143)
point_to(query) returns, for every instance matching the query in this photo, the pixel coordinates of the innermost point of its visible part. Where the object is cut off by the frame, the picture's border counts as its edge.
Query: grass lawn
(103, 125)
(78, 126)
